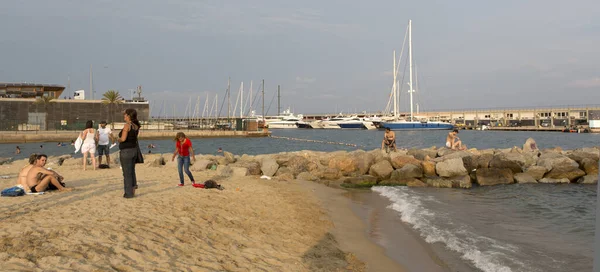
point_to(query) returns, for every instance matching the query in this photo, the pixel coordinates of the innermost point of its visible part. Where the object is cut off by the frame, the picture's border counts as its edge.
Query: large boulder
(229, 157)
(514, 161)
(422, 154)
(408, 171)
(590, 166)
(565, 171)
(536, 172)
(364, 160)
(158, 162)
(399, 161)
(201, 165)
(463, 182)
(345, 163)
(252, 166)
(445, 151)
(451, 168)
(330, 174)
(284, 173)
(494, 176)
(381, 170)
(584, 153)
(524, 178)
(589, 179)
(269, 166)
(560, 166)
(483, 160)
(428, 168)
(297, 164)
(438, 182)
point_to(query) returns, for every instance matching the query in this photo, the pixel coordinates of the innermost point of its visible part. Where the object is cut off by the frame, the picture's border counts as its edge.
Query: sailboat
(412, 124)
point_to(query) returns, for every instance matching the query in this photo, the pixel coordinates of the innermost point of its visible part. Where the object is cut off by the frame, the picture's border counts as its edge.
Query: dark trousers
(127, 158)
(184, 163)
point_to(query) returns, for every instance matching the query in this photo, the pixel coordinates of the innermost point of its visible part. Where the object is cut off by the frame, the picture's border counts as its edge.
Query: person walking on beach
(128, 144)
(104, 138)
(89, 143)
(183, 149)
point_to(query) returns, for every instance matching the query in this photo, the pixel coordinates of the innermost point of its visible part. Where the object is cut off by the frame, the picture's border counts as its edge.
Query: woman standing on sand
(183, 148)
(89, 143)
(128, 144)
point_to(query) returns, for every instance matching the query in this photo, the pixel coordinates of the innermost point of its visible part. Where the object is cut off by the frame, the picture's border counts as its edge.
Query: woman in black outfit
(128, 146)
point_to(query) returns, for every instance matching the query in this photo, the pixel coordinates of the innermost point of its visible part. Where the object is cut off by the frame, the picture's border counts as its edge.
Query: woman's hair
(133, 116)
(179, 135)
(89, 124)
(35, 157)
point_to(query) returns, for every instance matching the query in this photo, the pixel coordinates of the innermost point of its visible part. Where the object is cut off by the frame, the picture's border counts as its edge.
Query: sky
(328, 56)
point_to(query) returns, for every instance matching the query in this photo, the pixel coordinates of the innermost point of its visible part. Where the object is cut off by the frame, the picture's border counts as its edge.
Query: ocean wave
(484, 253)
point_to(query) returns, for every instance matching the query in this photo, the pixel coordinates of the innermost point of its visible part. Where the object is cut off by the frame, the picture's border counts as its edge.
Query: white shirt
(103, 135)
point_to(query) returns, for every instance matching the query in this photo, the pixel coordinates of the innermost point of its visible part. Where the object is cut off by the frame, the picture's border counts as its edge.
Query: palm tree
(110, 98)
(45, 102)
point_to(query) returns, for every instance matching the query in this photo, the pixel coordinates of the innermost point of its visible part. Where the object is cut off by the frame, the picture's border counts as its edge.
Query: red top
(184, 150)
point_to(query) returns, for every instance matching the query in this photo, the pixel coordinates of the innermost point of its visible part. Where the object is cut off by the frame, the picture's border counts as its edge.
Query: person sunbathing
(22, 178)
(39, 178)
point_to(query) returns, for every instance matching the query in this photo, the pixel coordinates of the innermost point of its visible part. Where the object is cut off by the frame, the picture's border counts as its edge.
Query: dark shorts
(33, 189)
(103, 150)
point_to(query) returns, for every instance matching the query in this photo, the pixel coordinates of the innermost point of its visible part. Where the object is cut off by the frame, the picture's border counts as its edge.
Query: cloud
(586, 83)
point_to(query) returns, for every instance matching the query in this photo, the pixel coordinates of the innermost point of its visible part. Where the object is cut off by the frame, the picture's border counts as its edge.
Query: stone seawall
(431, 167)
(67, 136)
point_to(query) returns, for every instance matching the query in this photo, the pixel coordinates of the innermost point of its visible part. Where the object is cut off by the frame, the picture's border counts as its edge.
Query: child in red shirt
(183, 149)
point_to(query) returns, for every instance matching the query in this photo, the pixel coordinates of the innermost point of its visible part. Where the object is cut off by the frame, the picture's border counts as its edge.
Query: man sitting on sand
(38, 178)
(453, 142)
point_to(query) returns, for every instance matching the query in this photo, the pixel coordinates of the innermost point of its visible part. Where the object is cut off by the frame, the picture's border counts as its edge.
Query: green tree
(111, 98)
(45, 102)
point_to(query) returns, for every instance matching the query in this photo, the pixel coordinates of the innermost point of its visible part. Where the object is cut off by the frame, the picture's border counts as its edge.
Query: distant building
(20, 111)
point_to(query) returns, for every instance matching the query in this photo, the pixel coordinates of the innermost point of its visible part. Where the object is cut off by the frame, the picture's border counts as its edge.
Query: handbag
(139, 158)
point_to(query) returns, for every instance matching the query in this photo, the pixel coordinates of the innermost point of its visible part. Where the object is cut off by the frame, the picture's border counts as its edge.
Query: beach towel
(78, 143)
(13, 191)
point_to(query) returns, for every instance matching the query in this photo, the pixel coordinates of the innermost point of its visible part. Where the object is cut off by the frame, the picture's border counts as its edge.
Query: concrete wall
(62, 114)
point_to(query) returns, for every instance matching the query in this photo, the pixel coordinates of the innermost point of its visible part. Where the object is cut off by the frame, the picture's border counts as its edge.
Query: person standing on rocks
(389, 139)
(183, 149)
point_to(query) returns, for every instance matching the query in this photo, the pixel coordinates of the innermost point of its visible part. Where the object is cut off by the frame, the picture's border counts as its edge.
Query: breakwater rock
(430, 167)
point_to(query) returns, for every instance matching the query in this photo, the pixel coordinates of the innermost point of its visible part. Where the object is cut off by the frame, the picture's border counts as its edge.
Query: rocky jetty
(430, 167)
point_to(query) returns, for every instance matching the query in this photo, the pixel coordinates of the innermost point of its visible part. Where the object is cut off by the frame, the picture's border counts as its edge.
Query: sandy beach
(252, 225)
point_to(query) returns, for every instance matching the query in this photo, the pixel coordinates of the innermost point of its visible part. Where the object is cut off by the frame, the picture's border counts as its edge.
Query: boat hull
(416, 125)
(352, 125)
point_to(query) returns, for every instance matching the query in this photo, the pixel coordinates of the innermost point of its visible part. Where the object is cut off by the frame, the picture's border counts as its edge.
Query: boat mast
(228, 99)
(263, 101)
(242, 100)
(410, 90)
(394, 90)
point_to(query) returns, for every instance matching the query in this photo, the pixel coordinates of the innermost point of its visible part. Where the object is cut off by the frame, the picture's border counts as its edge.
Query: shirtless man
(40, 185)
(453, 142)
(389, 138)
(22, 178)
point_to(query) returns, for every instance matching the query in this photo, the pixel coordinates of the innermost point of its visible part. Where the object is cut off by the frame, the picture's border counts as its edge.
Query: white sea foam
(456, 236)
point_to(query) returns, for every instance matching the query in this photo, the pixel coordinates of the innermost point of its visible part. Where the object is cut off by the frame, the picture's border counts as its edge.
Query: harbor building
(32, 106)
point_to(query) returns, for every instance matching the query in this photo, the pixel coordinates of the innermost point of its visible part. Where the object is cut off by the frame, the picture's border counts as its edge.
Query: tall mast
(278, 99)
(228, 99)
(242, 100)
(394, 91)
(263, 101)
(410, 90)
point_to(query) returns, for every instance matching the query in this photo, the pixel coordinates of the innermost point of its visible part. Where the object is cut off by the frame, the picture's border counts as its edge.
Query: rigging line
(270, 103)
(258, 92)
(222, 103)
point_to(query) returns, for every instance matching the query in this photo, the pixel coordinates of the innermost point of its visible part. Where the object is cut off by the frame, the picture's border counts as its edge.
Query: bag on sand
(209, 184)
(13, 191)
(139, 157)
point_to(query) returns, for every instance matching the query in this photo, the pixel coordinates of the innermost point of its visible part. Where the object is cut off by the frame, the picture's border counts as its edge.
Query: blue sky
(328, 56)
